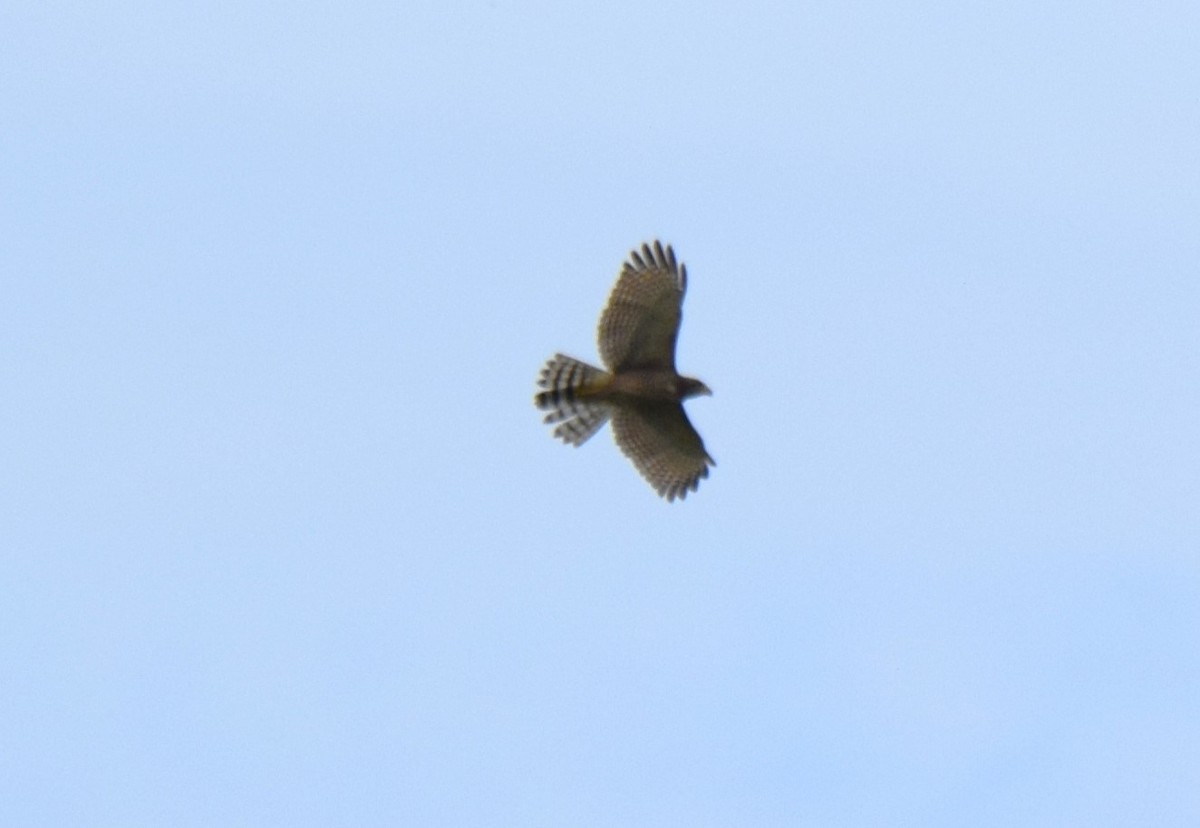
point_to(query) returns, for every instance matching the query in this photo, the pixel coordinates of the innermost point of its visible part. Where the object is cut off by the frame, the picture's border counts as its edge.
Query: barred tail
(567, 384)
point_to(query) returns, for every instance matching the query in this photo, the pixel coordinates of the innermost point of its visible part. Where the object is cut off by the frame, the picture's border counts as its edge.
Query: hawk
(641, 392)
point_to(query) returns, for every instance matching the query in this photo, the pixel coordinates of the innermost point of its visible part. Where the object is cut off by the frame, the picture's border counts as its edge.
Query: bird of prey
(641, 392)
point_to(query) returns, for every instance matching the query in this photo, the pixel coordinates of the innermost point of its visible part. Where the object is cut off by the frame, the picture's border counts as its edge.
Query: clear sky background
(284, 542)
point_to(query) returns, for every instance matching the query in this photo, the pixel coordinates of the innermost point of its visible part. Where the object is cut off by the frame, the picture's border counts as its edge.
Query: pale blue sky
(283, 541)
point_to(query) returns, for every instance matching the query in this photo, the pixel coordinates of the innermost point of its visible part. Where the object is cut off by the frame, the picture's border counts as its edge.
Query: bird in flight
(641, 392)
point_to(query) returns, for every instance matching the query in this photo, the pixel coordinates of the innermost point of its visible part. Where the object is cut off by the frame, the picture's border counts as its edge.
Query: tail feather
(567, 384)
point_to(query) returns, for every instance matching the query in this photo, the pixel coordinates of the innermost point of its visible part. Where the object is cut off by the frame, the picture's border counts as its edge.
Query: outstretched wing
(663, 445)
(640, 324)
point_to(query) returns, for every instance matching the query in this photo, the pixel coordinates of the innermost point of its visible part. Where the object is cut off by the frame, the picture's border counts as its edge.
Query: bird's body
(641, 392)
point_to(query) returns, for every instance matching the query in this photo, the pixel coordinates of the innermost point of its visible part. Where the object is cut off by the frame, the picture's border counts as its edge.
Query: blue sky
(284, 541)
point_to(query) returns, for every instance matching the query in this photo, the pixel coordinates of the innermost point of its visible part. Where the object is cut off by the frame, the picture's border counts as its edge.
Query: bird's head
(690, 387)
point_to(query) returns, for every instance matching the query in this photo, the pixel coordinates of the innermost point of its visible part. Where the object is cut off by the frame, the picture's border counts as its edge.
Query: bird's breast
(646, 385)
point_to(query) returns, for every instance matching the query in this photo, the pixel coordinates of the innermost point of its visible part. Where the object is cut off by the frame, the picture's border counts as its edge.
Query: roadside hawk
(641, 392)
